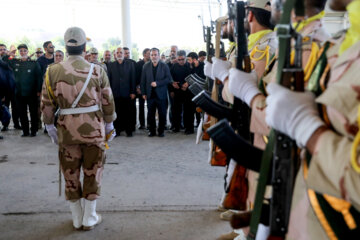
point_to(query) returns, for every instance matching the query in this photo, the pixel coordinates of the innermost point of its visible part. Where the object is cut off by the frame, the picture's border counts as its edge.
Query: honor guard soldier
(82, 93)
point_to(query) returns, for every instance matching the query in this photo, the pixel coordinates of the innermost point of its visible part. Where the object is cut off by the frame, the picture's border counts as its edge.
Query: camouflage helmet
(262, 4)
(93, 51)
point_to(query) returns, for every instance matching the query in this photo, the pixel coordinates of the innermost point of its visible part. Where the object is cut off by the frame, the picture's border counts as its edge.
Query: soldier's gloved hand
(292, 113)
(243, 85)
(208, 69)
(220, 69)
(109, 131)
(52, 132)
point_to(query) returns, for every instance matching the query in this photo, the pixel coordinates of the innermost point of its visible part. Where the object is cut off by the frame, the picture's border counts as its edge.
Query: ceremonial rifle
(281, 151)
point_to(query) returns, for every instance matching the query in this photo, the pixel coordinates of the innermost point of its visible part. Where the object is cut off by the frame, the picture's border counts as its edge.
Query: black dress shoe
(25, 135)
(4, 129)
(176, 130)
(151, 134)
(18, 127)
(188, 132)
(161, 135)
(33, 134)
(141, 127)
(1, 137)
(129, 135)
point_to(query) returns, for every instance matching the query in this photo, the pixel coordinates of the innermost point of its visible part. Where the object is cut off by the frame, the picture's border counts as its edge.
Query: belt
(69, 111)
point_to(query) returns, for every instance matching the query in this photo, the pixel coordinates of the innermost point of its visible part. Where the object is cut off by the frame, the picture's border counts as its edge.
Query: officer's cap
(22, 46)
(262, 4)
(93, 51)
(74, 37)
(38, 49)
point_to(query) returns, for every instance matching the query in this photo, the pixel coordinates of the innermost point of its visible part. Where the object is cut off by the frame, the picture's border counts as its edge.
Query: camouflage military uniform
(80, 136)
(330, 171)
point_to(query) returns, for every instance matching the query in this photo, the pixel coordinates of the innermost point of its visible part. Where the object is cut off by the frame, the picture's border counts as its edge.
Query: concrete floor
(153, 188)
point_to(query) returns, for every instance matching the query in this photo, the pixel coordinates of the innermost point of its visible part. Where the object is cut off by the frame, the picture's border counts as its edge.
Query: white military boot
(77, 213)
(91, 218)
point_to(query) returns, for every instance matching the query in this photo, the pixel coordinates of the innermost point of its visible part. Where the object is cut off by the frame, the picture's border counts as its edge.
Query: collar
(255, 37)
(304, 23)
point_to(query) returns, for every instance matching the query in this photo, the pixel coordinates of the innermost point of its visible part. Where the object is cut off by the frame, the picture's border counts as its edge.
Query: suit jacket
(122, 82)
(162, 79)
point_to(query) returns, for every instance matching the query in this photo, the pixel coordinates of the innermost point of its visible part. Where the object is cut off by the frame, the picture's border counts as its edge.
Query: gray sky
(153, 22)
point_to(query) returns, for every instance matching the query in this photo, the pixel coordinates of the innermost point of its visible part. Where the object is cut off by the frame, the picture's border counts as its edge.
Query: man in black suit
(155, 79)
(138, 69)
(122, 80)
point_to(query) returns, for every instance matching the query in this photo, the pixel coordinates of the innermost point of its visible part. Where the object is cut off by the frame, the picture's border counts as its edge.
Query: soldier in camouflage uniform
(94, 58)
(326, 198)
(82, 126)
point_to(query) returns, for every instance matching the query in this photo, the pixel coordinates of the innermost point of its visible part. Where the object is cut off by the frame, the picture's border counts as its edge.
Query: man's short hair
(318, 4)
(126, 48)
(263, 17)
(75, 50)
(181, 53)
(2, 45)
(59, 51)
(155, 49)
(46, 44)
(202, 54)
(193, 55)
(174, 46)
(145, 51)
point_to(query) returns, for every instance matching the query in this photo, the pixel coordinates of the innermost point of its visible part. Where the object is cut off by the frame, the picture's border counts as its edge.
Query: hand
(220, 69)
(52, 132)
(132, 96)
(243, 85)
(184, 86)
(208, 69)
(153, 84)
(138, 91)
(109, 131)
(172, 94)
(175, 85)
(144, 97)
(292, 113)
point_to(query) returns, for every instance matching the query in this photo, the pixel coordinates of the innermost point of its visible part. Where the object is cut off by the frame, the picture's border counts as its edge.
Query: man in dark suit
(138, 69)
(122, 80)
(155, 79)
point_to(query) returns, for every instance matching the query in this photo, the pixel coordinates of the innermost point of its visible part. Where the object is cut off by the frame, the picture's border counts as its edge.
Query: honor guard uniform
(83, 95)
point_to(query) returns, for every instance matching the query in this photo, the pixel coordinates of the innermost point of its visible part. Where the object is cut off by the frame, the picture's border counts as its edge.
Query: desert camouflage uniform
(80, 136)
(330, 171)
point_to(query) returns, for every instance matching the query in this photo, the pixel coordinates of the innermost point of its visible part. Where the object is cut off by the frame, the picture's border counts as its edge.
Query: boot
(91, 218)
(77, 214)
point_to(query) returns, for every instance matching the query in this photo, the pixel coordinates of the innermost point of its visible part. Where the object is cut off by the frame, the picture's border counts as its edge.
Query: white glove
(292, 113)
(108, 128)
(220, 69)
(208, 69)
(243, 85)
(52, 132)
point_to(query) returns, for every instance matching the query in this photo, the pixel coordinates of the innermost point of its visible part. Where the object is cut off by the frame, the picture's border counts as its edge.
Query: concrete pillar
(126, 32)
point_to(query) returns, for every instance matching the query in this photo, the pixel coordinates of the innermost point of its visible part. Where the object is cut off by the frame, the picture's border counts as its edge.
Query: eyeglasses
(39, 52)
(181, 59)
(51, 46)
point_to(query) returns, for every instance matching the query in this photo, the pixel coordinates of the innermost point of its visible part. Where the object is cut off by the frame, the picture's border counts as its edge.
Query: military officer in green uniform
(28, 79)
(82, 93)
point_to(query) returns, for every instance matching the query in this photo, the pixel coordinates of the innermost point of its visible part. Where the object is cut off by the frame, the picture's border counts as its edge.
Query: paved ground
(153, 188)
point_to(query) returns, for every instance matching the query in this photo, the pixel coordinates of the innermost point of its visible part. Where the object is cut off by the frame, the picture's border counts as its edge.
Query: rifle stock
(234, 146)
(214, 109)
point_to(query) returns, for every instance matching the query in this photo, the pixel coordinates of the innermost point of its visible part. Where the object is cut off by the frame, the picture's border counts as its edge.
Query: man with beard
(28, 79)
(183, 106)
(122, 80)
(48, 58)
(155, 79)
(202, 56)
(196, 66)
(139, 67)
(107, 58)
